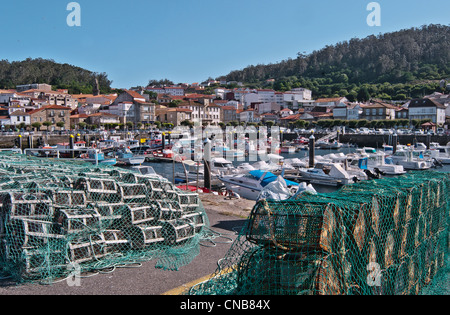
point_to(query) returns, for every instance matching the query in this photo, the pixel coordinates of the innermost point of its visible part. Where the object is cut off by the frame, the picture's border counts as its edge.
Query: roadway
(145, 279)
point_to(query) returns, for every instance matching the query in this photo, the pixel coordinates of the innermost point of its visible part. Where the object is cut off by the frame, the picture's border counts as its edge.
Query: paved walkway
(146, 279)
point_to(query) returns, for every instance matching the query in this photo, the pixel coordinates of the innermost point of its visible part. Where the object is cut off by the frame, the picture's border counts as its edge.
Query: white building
(171, 90)
(13, 98)
(250, 98)
(262, 108)
(19, 117)
(427, 109)
(295, 98)
(354, 111)
(124, 110)
(248, 116)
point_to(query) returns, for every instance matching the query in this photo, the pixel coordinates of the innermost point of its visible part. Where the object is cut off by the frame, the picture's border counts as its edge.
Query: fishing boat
(251, 184)
(125, 156)
(96, 157)
(48, 151)
(64, 149)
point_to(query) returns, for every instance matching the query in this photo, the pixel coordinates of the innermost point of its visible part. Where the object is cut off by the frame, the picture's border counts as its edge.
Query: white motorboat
(244, 168)
(295, 163)
(287, 149)
(378, 160)
(441, 154)
(328, 174)
(250, 185)
(324, 144)
(411, 159)
(195, 170)
(146, 170)
(356, 167)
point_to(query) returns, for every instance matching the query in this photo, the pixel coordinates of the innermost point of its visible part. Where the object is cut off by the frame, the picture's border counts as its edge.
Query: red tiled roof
(79, 116)
(326, 100)
(49, 107)
(19, 113)
(134, 94)
(292, 117)
(102, 114)
(228, 108)
(179, 110)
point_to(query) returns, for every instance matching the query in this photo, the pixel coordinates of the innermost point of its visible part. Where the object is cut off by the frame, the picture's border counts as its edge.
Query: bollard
(30, 141)
(72, 145)
(207, 165)
(312, 144)
(19, 142)
(394, 143)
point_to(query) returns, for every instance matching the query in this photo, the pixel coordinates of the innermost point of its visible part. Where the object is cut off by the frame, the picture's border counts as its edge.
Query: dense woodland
(405, 64)
(60, 76)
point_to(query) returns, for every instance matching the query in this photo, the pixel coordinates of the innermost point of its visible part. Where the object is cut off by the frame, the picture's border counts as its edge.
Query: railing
(58, 155)
(330, 136)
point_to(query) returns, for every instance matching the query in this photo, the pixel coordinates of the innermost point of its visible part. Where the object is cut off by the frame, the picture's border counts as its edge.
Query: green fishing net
(59, 217)
(383, 237)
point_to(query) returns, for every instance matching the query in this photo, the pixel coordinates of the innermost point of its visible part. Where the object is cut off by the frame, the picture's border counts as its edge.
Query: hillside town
(39, 107)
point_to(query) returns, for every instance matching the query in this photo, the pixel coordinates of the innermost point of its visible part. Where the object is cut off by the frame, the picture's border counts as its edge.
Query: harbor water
(168, 170)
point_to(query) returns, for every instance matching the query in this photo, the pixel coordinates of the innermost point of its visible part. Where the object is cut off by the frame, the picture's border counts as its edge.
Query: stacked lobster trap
(56, 214)
(383, 237)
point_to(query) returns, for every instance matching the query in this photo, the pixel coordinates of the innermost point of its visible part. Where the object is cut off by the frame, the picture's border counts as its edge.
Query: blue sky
(188, 41)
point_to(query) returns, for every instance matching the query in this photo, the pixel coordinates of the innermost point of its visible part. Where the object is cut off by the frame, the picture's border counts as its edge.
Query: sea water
(168, 170)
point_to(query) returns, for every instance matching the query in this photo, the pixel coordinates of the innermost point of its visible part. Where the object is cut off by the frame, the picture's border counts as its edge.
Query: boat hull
(132, 161)
(242, 191)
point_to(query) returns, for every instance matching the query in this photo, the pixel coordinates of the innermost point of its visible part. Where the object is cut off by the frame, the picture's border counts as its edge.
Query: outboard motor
(379, 172)
(437, 163)
(371, 175)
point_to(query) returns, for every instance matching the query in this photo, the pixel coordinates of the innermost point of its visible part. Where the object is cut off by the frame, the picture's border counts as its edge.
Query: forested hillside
(407, 63)
(60, 76)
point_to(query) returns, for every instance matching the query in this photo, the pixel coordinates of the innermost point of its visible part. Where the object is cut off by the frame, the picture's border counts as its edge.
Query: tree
(363, 95)
(36, 125)
(300, 123)
(187, 123)
(363, 122)
(82, 125)
(60, 124)
(157, 124)
(47, 124)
